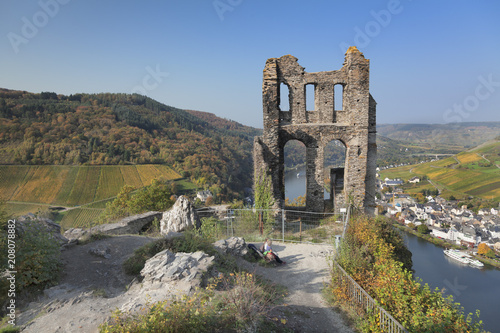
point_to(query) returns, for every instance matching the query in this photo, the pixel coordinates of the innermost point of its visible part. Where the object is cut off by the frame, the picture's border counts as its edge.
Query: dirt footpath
(93, 286)
(304, 274)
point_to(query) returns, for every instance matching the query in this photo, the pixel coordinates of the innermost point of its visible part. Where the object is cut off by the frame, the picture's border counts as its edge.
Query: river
(473, 288)
(296, 186)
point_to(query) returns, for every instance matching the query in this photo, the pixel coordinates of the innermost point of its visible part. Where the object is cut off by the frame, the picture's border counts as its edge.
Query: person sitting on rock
(268, 252)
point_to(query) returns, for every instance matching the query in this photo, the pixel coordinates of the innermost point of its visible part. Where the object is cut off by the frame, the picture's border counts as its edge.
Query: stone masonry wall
(354, 125)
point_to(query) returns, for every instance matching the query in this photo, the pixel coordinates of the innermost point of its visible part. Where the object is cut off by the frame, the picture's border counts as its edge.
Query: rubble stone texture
(128, 225)
(180, 217)
(235, 246)
(354, 126)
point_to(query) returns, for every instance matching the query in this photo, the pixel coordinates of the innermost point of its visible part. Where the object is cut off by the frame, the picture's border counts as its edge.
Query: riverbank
(445, 244)
(475, 289)
(295, 167)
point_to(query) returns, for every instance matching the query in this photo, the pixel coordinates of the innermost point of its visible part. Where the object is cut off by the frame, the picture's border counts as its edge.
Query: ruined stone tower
(353, 125)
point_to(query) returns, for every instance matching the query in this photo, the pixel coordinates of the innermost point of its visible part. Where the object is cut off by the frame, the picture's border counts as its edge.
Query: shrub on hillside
(369, 253)
(37, 262)
(37, 258)
(241, 304)
(212, 229)
(155, 197)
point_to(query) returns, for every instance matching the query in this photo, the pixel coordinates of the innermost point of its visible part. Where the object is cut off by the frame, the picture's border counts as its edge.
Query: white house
(414, 180)
(444, 234)
(483, 211)
(468, 237)
(494, 231)
(203, 195)
(418, 208)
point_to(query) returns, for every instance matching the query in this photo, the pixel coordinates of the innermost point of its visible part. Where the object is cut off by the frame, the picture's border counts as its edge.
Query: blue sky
(431, 61)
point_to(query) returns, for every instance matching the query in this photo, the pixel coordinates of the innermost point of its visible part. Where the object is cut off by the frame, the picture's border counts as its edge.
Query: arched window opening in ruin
(310, 101)
(295, 173)
(338, 95)
(284, 102)
(334, 166)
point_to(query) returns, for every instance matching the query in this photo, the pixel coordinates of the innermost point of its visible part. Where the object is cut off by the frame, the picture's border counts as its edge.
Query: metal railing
(359, 298)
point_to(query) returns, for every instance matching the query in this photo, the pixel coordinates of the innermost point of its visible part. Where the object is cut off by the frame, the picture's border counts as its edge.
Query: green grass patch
(402, 172)
(184, 185)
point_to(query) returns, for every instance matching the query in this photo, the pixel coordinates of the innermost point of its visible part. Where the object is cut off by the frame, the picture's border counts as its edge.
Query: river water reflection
(295, 184)
(473, 288)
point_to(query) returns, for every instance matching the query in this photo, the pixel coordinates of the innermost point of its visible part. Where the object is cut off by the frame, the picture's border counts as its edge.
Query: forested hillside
(106, 129)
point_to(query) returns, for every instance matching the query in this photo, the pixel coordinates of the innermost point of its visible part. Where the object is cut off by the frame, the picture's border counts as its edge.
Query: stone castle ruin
(353, 125)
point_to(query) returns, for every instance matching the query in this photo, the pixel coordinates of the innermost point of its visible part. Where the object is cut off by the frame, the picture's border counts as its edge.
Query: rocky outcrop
(76, 234)
(180, 217)
(167, 274)
(235, 246)
(167, 266)
(41, 225)
(129, 225)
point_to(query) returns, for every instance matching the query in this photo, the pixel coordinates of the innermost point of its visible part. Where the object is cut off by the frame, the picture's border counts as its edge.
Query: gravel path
(305, 273)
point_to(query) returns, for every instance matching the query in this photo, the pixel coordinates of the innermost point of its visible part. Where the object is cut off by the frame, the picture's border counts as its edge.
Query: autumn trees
(485, 250)
(109, 128)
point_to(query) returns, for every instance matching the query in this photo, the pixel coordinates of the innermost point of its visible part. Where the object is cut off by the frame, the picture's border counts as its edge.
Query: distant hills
(120, 129)
(413, 143)
(212, 152)
(453, 135)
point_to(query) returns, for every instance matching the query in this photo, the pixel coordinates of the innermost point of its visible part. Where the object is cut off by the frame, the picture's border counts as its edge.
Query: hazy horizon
(431, 62)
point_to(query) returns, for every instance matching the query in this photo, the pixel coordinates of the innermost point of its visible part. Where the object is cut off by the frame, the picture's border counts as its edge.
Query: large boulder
(235, 246)
(180, 217)
(167, 266)
(167, 274)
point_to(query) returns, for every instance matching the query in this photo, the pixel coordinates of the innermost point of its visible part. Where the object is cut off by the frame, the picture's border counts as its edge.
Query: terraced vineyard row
(462, 174)
(74, 185)
(80, 218)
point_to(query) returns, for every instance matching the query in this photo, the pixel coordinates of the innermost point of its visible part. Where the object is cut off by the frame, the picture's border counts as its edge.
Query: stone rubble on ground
(101, 251)
(324, 253)
(235, 246)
